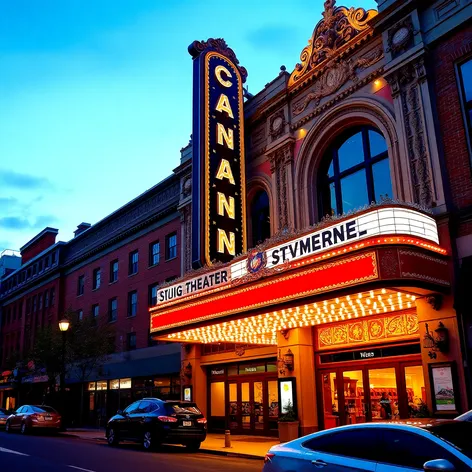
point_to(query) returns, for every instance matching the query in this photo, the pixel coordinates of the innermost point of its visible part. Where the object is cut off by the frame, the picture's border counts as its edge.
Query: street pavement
(38, 453)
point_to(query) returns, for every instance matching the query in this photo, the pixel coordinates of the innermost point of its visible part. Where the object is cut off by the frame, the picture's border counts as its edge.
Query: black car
(152, 421)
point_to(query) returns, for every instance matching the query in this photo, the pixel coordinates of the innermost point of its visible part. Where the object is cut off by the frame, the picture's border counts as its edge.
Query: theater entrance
(371, 390)
(244, 399)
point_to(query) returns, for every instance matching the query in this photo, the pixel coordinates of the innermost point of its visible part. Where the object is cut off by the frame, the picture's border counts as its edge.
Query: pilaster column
(281, 166)
(194, 375)
(300, 343)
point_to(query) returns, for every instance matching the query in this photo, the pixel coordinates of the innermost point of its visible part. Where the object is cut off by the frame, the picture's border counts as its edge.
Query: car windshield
(457, 433)
(43, 409)
(185, 408)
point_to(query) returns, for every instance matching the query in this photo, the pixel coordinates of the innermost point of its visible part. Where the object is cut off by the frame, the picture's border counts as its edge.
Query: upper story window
(113, 271)
(154, 253)
(355, 172)
(80, 315)
(35, 269)
(95, 311)
(153, 294)
(260, 218)
(112, 309)
(131, 341)
(97, 273)
(465, 75)
(46, 263)
(40, 266)
(53, 258)
(171, 246)
(80, 285)
(132, 303)
(133, 262)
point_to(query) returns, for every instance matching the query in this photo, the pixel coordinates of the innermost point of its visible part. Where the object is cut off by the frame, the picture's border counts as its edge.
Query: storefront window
(273, 404)
(354, 404)
(415, 390)
(125, 383)
(233, 406)
(217, 399)
(245, 405)
(91, 385)
(330, 400)
(114, 384)
(102, 385)
(258, 405)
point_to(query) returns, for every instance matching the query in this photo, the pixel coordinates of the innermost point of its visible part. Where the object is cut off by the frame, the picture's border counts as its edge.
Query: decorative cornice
(218, 45)
(338, 28)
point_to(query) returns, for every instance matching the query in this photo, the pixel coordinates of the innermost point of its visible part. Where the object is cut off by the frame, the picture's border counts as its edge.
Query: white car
(377, 447)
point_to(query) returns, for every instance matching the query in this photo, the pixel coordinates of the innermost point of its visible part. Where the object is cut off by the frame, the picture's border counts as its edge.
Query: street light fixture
(63, 327)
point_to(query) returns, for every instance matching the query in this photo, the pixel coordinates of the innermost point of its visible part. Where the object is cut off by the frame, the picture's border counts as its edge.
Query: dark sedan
(29, 417)
(152, 421)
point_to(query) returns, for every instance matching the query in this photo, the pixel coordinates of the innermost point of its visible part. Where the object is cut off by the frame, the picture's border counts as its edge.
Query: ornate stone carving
(338, 26)
(336, 75)
(218, 45)
(279, 160)
(187, 224)
(187, 187)
(400, 36)
(277, 125)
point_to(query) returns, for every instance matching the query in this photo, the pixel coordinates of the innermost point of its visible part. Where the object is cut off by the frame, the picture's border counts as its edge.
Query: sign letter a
(224, 171)
(224, 105)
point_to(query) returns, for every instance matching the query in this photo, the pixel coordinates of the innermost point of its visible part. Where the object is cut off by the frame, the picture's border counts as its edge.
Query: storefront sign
(188, 394)
(35, 379)
(443, 388)
(218, 182)
(195, 285)
(217, 371)
(287, 395)
(383, 222)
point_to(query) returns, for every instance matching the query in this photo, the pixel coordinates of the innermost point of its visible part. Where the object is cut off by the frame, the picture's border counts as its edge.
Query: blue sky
(96, 96)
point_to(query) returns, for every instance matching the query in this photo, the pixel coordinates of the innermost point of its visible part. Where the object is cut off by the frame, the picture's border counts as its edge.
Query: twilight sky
(96, 96)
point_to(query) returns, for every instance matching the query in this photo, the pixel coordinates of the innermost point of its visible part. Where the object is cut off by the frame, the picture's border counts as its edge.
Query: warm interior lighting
(64, 325)
(263, 328)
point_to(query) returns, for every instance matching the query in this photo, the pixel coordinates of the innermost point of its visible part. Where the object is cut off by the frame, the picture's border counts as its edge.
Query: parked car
(467, 416)
(29, 417)
(380, 447)
(152, 421)
(4, 414)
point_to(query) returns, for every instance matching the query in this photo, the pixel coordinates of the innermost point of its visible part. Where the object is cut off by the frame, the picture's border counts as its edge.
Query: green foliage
(289, 414)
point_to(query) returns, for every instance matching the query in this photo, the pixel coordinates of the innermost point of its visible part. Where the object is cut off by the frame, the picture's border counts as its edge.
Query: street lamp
(63, 327)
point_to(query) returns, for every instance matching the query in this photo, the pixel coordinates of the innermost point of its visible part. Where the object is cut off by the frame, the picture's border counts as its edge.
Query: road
(61, 454)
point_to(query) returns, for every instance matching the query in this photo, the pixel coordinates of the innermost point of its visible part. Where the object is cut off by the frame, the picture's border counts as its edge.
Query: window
(46, 263)
(53, 295)
(133, 263)
(359, 443)
(411, 450)
(53, 258)
(355, 172)
(153, 294)
(80, 315)
(40, 266)
(80, 285)
(35, 269)
(132, 408)
(112, 309)
(132, 303)
(171, 246)
(260, 218)
(96, 278)
(113, 271)
(131, 341)
(465, 75)
(95, 311)
(154, 250)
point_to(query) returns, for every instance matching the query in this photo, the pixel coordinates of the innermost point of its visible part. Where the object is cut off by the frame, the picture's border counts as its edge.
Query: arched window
(260, 218)
(355, 172)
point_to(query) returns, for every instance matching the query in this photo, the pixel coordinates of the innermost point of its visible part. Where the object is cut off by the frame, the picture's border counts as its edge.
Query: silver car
(377, 447)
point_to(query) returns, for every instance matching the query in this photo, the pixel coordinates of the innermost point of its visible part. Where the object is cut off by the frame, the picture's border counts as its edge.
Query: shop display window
(217, 399)
(114, 384)
(416, 391)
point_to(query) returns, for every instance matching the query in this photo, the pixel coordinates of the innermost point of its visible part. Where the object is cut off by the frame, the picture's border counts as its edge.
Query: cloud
(20, 223)
(7, 203)
(23, 181)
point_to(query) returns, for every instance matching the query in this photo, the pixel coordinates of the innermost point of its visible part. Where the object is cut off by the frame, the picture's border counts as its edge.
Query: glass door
(246, 405)
(383, 394)
(330, 400)
(354, 397)
(258, 408)
(273, 405)
(233, 407)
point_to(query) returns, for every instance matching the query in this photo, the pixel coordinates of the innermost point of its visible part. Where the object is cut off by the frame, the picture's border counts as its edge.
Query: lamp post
(63, 327)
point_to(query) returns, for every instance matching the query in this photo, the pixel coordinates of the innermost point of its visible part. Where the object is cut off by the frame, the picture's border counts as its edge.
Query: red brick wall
(141, 281)
(444, 59)
(37, 247)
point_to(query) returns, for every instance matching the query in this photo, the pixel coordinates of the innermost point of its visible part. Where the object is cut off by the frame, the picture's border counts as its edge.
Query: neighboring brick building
(111, 271)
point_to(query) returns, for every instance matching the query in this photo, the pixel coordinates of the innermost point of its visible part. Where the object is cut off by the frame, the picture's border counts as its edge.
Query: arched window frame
(331, 155)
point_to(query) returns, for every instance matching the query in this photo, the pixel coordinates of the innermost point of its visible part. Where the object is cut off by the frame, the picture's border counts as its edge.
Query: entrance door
(371, 393)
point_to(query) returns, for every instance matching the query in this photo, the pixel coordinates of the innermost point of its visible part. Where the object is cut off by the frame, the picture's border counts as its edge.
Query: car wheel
(7, 427)
(149, 442)
(112, 437)
(23, 429)
(193, 446)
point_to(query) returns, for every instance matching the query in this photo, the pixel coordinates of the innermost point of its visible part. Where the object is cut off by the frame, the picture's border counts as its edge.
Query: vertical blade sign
(218, 181)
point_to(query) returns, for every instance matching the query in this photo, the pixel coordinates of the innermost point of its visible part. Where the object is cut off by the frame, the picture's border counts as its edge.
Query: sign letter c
(218, 71)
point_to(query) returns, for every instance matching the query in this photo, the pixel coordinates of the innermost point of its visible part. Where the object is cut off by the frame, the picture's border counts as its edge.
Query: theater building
(320, 266)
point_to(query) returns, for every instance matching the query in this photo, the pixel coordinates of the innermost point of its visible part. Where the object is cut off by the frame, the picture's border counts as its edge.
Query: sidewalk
(254, 447)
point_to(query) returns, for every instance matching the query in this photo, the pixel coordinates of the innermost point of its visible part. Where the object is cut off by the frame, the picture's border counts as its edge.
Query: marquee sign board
(381, 222)
(218, 167)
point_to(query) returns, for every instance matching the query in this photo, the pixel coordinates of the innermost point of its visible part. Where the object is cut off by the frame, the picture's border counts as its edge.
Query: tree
(87, 347)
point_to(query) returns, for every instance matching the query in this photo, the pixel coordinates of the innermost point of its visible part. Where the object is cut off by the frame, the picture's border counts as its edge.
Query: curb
(215, 452)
